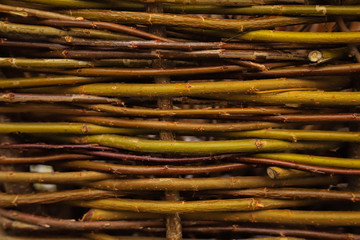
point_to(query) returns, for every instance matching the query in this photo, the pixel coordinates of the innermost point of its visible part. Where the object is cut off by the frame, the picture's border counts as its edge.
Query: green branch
(168, 207)
(53, 177)
(175, 126)
(315, 98)
(190, 21)
(63, 127)
(192, 89)
(9, 200)
(203, 147)
(222, 112)
(312, 218)
(210, 183)
(301, 37)
(295, 135)
(314, 160)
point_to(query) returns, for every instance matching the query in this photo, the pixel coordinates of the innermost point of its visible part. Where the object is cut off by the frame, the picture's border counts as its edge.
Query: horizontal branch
(168, 207)
(316, 98)
(43, 63)
(275, 216)
(153, 170)
(52, 177)
(298, 135)
(13, 83)
(232, 3)
(42, 159)
(283, 10)
(136, 72)
(203, 147)
(294, 193)
(175, 126)
(184, 46)
(189, 20)
(275, 172)
(310, 218)
(199, 89)
(7, 200)
(335, 117)
(327, 70)
(55, 98)
(301, 166)
(305, 233)
(147, 112)
(314, 160)
(103, 25)
(223, 54)
(48, 109)
(88, 147)
(163, 160)
(301, 37)
(36, 30)
(63, 127)
(197, 184)
(62, 224)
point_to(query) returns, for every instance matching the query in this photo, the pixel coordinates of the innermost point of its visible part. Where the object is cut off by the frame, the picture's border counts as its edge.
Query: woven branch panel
(179, 119)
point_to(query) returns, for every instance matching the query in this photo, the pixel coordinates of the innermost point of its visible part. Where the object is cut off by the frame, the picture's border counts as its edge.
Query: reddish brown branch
(74, 225)
(305, 167)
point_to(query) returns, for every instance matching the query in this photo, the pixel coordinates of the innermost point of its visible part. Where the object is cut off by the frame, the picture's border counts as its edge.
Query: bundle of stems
(179, 119)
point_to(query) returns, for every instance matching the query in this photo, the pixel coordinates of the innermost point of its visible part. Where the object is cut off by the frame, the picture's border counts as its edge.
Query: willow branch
(190, 21)
(297, 135)
(333, 70)
(103, 25)
(55, 98)
(53, 177)
(122, 72)
(36, 30)
(48, 109)
(197, 184)
(191, 89)
(56, 19)
(336, 117)
(175, 126)
(285, 10)
(184, 46)
(93, 147)
(63, 224)
(316, 98)
(301, 37)
(163, 160)
(42, 159)
(208, 147)
(146, 112)
(258, 55)
(69, 3)
(275, 172)
(153, 170)
(311, 234)
(101, 236)
(314, 160)
(295, 193)
(168, 207)
(7, 200)
(301, 166)
(10, 43)
(43, 63)
(62, 127)
(27, 12)
(312, 218)
(13, 83)
(232, 3)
